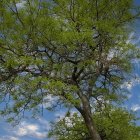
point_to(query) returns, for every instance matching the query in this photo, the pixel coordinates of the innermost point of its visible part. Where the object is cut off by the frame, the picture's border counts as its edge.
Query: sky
(36, 129)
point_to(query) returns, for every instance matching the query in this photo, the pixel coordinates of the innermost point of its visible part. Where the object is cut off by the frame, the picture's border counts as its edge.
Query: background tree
(75, 50)
(113, 123)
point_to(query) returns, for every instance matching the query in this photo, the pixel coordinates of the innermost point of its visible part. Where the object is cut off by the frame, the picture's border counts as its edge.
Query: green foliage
(70, 127)
(75, 50)
(112, 123)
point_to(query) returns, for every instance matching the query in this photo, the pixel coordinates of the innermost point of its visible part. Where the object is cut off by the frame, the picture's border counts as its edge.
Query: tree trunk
(87, 115)
(91, 126)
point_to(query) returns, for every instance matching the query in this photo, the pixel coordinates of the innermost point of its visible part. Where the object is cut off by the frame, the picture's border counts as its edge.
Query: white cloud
(37, 129)
(127, 85)
(25, 129)
(32, 130)
(21, 4)
(130, 84)
(9, 138)
(49, 100)
(135, 107)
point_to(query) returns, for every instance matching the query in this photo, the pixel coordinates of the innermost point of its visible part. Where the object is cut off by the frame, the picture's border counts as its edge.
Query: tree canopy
(75, 50)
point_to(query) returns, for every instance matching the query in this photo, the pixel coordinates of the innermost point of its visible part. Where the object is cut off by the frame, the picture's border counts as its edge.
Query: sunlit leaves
(112, 123)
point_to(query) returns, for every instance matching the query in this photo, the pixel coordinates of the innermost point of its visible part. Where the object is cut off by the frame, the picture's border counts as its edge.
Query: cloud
(9, 138)
(44, 123)
(25, 129)
(21, 4)
(28, 129)
(49, 101)
(135, 80)
(37, 130)
(135, 107)
(130, 84)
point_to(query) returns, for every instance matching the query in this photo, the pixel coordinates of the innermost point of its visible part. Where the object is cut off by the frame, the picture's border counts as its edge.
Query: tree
(113, 123)
(75, 50)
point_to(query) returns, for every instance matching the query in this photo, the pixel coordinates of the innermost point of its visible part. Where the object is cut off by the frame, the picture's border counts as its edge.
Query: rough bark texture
(87, 115)
(91, 126)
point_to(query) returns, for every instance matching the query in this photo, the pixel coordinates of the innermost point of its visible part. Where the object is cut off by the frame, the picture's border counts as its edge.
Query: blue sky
(36, 129)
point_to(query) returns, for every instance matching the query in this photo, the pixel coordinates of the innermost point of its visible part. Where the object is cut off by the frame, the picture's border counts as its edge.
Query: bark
(91, 126)
(87, 115)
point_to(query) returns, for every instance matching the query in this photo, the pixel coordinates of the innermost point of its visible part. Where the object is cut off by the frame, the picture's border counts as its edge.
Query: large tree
(75, 50)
